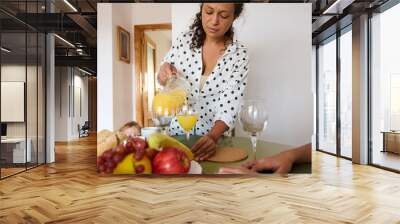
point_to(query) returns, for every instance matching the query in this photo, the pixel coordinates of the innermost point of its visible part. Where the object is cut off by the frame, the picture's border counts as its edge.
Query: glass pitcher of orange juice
(169, 100)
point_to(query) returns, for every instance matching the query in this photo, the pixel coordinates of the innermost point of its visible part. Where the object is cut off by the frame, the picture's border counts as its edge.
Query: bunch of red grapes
(107, 162)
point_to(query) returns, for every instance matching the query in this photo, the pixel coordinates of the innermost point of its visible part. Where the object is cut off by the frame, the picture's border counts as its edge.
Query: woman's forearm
(301, 154)
(217, 130)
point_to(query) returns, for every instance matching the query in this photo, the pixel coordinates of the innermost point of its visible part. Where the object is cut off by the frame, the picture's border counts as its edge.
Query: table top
(391, 132)
(13, 140)
(263, 149)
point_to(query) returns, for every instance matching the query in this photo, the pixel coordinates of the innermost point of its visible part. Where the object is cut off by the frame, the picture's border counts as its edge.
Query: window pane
(346, 94)
(327, 96)
(41, 98)
(13, 86)
(31, 98)
(386, 88)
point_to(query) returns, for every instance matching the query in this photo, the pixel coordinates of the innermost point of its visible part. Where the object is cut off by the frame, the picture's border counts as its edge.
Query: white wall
(12, 101)
(278, 37)
(34, 124)
(122, 72)
(61, 104)
(11, 73)
(105, 57)
(115, 79)
(182, 17)
(66, 121)
(15, 73)
(151, 13)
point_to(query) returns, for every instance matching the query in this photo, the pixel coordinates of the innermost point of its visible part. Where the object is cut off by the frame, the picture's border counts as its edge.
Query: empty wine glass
(254, 119)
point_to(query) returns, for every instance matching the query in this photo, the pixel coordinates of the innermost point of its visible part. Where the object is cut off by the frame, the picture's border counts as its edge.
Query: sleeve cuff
(228, 121)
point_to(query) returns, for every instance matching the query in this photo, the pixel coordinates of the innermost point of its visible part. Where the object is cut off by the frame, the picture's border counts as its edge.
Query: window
(22, 65)
(385, 88)
(334, 138)
(395, 101)
(327, 96)
(346, 93)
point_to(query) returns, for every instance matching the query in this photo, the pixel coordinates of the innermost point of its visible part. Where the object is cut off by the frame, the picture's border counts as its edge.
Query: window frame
(336, 36)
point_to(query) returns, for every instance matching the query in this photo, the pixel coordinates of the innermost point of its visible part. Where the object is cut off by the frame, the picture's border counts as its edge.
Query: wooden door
(149, 78)
(143, 45)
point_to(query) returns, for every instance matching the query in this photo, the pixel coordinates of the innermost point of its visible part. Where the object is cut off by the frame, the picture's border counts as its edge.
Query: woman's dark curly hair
(198, 31)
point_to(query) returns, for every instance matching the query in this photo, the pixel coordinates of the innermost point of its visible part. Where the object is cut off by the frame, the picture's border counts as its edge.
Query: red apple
(171, 161)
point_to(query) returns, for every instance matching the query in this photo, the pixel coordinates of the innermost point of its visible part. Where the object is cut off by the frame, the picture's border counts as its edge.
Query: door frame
(139, 64)
(145, 94)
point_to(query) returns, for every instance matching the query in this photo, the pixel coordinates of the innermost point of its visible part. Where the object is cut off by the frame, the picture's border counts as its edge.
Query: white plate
(195, 168)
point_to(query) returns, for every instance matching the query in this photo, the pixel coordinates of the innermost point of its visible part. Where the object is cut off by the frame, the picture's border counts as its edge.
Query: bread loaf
(107, 140)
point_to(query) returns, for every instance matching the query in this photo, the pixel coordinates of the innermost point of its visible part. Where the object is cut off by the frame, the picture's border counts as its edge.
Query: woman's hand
(281, 163)
(166, 70)
(204, 148)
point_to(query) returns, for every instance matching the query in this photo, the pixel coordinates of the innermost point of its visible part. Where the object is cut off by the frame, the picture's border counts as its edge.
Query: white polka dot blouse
(221, 96)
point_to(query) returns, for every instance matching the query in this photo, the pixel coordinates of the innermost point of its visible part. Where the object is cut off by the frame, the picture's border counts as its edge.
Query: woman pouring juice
(216, 66)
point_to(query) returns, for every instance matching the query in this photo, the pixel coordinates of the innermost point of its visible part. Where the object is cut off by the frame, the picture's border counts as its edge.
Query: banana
(158, 141)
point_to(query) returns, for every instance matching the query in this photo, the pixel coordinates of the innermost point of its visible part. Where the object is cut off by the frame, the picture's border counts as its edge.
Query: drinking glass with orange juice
(187, 119)
(169, 100)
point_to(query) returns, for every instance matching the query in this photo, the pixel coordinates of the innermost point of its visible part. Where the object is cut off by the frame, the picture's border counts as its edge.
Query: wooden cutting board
(228, 154)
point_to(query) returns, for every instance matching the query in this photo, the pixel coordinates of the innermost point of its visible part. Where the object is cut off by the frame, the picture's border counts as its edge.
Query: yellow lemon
(128, 165)
(146, 163)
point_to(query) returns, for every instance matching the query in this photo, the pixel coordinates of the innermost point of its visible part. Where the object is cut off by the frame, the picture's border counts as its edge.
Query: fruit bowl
(160, 154)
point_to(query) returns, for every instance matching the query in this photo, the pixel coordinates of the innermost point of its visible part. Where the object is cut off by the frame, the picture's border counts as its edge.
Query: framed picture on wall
(123, 38)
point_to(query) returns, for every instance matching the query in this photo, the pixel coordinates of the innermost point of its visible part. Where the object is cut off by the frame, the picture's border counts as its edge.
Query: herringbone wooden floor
(70, 191)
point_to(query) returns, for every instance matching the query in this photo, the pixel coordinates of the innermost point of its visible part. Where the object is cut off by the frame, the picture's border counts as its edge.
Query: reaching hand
(204, 148)
(166, 70)
(280, 163)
